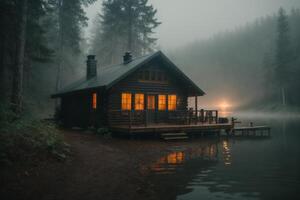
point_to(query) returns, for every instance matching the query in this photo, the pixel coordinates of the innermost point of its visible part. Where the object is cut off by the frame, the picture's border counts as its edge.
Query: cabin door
(151, 109)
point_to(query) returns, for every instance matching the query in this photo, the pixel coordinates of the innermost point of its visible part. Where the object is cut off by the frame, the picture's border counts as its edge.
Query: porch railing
(144, 117)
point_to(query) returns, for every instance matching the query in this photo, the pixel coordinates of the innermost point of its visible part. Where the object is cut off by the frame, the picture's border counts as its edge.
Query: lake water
(232, 168)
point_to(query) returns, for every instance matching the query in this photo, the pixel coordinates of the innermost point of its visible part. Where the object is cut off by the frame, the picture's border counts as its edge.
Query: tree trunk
(283, 96)
(60, 60)
(129, 45)
(17, 89)
(61, 49)
(2, 65)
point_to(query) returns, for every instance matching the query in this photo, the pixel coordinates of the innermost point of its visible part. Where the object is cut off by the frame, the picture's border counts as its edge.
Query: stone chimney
(91, 67)
(127, 58)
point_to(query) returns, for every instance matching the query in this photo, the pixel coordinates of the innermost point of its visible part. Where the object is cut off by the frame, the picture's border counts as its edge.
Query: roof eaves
(133, 69)
(184, 75)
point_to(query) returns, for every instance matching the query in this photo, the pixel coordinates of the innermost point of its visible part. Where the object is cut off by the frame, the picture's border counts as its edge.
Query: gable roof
(109, 76)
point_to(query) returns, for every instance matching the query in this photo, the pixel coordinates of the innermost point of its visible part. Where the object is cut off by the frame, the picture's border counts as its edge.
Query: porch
(146, 121)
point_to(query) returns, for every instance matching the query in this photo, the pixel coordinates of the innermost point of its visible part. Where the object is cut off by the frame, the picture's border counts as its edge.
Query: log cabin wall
(77, 109)
(135, 83)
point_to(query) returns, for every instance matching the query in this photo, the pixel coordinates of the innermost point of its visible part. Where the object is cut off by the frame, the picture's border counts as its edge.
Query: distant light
(224, 105)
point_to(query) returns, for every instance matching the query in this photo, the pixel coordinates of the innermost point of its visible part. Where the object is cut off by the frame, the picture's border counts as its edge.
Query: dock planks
(165, 128)
(252, 131)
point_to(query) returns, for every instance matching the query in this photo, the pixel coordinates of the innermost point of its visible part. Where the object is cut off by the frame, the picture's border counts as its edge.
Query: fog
(186, 21)
(222, 45)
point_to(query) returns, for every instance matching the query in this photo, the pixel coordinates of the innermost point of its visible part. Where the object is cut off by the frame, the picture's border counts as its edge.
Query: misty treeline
(43, 46)
(123, 25)
(40, 45)
(256, 65)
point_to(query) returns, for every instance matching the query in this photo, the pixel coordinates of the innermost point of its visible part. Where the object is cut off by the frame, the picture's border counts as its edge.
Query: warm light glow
(226, 153)
(224, 105)
(94, 101)
(139, 102)
(175, 158)
(168, 163)
(126, 101)
(172, 102)
(162, 102)
(151, 102)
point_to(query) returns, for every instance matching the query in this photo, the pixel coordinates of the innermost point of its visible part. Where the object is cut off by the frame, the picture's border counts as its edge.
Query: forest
(43, 48)
(256, 65)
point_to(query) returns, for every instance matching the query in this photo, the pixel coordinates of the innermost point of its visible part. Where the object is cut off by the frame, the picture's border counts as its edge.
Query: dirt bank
(98, 168)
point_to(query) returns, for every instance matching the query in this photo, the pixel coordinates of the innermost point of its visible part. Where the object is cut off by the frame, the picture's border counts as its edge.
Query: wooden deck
(176, 122)
(252, 131)
(165, 128)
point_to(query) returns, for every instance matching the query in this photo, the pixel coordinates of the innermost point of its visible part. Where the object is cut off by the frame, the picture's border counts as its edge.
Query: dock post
(196, 109)
(217, 116)
(129, 119)
(146, 118)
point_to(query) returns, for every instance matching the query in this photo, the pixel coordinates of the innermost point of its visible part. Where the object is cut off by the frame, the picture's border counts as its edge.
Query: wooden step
(173, 134)
(176, 138)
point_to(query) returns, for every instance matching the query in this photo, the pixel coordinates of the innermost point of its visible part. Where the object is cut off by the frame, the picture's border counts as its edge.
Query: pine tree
(70, 18)
(124, 25)
(17, 88)
(283, 54)
(22, 42)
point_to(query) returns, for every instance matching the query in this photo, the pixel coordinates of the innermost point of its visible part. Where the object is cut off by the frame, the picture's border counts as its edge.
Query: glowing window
(94, 101)
(151, 102)
(139, 102)
(172, 102)
(162, 102)
(126, 101)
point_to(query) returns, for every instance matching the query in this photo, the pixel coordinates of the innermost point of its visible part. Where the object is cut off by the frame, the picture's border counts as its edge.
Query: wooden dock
(257, 131)
(172, 128)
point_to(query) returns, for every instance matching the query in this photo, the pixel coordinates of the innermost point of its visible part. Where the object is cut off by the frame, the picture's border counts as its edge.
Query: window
(94, 101)
(141, 75)
(151, 102)
(126, 101)
(159, 76)
(162, 102)
(172, 102)
(139, 102)
(165, 78)
(152, 75)
(147, 75)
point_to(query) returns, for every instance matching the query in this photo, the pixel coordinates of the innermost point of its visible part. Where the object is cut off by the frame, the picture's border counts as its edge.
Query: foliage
(124, 25)
(54, 36)
(283, 53)
(103, 132)
(28, 139)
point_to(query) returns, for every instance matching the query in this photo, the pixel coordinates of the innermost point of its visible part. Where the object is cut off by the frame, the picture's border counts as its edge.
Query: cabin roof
(110, 75)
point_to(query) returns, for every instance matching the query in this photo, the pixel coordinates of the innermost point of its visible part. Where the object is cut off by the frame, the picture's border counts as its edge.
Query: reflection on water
(262, 168)
(176, 158)
(226, 153)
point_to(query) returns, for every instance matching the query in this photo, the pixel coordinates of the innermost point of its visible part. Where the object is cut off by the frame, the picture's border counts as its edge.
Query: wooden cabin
(144, 94)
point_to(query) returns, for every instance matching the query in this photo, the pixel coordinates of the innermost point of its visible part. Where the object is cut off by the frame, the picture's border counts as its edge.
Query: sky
(184, 21)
